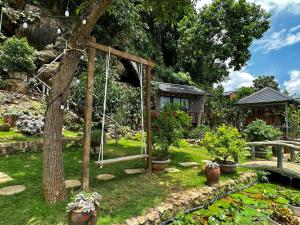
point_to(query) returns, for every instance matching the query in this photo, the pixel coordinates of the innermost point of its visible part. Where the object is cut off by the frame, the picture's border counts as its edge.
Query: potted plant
(168, 128)
(259, 130)
(212, 173)
(282, 216)
(83, 210)
(17, 57)
(225, 142)
(294, 203)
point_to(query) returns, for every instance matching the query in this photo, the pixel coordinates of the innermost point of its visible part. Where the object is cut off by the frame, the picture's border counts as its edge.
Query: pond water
(250, 206)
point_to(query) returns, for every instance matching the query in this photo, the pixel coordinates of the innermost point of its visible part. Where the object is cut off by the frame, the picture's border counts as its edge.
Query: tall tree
(265, 81)
(218, 37)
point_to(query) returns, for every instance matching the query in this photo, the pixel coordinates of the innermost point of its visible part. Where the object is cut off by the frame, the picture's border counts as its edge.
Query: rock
(72, 184)
(105, 177)
(189, 164)
(45, 57)
(19, 4)
(10, 20)
(4, 178)
(135, 171)
(47, 71)
(171, 170)
(49, 47)
(152, 215)
(18, 86)
(141, 219)
(11, 190)
(132, 221)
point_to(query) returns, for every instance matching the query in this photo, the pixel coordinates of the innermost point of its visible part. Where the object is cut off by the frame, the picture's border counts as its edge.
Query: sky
(277, 53)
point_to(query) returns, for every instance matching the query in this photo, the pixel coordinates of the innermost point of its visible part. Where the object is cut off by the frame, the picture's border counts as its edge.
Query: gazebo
(269, 105)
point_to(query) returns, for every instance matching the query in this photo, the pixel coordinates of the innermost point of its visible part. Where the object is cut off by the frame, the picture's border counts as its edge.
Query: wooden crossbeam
(121, 159)
(120, 54)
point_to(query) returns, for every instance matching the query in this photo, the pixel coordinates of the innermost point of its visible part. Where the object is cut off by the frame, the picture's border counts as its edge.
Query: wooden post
(280, 157)
(148, 119)
(292, 155)
(286, 120)
(253, 152)
(88, 117)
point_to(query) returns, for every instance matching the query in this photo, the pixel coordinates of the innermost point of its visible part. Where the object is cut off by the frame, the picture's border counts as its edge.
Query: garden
(135, 127)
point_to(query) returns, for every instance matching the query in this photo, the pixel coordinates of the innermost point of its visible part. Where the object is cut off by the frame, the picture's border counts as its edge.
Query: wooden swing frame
(93, 47)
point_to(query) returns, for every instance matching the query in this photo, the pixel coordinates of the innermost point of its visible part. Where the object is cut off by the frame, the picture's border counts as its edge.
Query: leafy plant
(198, 132)
(16, 55)
(168, 127)
(262, 176)
(86, 202)
(294, 199)
(259, 130)
(226, 141)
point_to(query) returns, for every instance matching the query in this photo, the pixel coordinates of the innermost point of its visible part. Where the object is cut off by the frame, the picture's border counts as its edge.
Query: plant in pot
(294, 203)
(212, 172)
(83, 210)
(259, 130)
(17, 57)
(168, 128)
(282, 216)
(224, 143)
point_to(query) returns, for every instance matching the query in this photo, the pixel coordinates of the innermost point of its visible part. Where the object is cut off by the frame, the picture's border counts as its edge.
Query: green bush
(198, 132)
(259, 130)
(226, 141)
(16, 55)
(4, 85)
(168, 128)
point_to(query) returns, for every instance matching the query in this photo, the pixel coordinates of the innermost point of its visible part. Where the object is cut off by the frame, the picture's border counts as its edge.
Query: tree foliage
(265, 81)
(244, 92)
(218, 37)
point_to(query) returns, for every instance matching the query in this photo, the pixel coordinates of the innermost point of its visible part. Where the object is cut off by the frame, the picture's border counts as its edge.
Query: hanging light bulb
(84, 21)
(81, 57)
(58, 31)
(25, 25)
(77, 81)
(62, 107)
(67, 13)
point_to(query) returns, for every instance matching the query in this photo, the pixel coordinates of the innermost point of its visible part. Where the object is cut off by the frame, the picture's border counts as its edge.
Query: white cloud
(293, 6)
(238, 79)
(278, 40)
(293, 85)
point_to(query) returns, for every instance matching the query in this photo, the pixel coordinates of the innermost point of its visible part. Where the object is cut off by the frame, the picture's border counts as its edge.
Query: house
(190, 98)
(230, 94)
(269, 105)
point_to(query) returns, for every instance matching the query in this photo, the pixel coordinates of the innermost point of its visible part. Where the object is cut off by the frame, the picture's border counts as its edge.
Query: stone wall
(29, 146)
(185, 200)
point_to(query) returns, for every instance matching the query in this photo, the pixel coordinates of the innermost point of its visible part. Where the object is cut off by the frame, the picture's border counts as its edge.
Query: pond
(250, 206)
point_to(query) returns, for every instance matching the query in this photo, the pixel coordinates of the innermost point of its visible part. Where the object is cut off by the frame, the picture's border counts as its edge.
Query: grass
(124, 197)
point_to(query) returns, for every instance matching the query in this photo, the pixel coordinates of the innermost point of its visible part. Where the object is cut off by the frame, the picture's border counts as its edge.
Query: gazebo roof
(264, 96)
(180, 89)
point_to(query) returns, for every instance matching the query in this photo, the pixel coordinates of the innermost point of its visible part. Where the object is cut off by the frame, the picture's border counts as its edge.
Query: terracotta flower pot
(212, 175)
(159, 165)
(78, 217)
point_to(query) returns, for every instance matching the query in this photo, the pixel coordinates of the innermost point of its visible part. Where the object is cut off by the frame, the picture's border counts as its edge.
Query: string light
(58, 31)
(84, 21)
(67, 13)
(25, 25)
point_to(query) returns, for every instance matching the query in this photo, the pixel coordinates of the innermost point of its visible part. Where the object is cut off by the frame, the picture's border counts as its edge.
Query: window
(164, 101)
(184, 102)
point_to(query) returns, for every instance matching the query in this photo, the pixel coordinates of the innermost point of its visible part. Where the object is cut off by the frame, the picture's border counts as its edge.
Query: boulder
(47, 71)
(105, 177)
(71, 184)
(18, 86)
(45, 57)
(10, 20)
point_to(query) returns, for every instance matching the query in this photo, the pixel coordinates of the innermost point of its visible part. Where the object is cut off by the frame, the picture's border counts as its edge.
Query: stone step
(105, 177)
(135, 171)
(4, 178)
(11, 190)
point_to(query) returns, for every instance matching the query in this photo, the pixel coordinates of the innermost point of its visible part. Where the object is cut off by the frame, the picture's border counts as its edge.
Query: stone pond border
(184, 200)
(10, 148)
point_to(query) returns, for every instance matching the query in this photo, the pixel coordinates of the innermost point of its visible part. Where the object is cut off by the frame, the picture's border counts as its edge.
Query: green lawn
(124, 197)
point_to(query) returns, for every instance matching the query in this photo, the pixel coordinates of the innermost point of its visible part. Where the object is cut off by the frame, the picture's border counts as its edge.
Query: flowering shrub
(168, 128)
(30, 125)
(226, 141)
(86, 202)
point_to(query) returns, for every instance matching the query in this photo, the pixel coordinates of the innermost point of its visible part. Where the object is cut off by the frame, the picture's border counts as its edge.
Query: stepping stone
(135, 171)
(189, 164)
(11, 190)
(4, 178)
(171, 170)
(105, 177)
(72, 184)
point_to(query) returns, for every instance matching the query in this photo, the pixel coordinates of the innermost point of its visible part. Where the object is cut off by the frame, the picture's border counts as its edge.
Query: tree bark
(53, 169)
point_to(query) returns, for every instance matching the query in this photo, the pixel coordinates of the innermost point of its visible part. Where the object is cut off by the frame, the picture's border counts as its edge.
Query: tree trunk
(53, 170)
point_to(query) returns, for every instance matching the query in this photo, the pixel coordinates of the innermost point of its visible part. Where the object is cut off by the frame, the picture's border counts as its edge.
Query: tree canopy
(265, 81)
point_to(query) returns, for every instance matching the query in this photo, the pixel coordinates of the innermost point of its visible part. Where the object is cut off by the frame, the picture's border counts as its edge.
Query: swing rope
(100, 157)
(140, 76)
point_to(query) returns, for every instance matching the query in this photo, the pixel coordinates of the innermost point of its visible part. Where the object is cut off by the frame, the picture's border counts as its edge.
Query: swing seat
(121, 159)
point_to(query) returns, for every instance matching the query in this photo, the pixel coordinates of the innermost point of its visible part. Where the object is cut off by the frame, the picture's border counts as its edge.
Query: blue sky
(278, 52)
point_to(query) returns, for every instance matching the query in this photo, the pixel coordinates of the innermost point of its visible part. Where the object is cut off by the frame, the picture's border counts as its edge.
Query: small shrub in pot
(225, 142)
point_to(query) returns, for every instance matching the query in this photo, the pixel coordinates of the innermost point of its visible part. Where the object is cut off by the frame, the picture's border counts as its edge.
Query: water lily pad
(281, 200)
